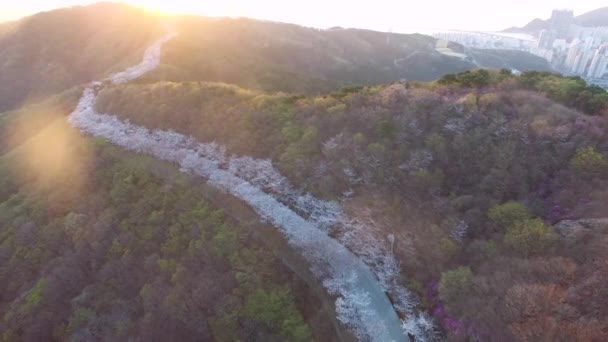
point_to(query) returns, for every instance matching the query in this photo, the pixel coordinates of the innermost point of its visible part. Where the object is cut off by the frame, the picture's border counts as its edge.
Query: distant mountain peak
(595, 18)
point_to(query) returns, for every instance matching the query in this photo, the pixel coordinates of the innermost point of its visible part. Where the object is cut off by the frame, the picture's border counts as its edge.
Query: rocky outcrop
(573, 231)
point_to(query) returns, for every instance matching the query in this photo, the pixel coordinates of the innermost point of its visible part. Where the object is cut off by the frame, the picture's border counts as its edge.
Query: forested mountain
(38, 54)
(239, 190)
(508, 59)
(467, 173)
(100, 244)
(53, 51)
(284, 57)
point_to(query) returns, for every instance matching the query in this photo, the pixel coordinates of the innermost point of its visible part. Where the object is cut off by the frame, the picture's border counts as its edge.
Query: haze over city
(382, 15)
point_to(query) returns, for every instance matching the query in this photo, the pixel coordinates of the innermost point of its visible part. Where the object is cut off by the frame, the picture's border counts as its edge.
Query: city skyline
(569, 48)
(382, 15)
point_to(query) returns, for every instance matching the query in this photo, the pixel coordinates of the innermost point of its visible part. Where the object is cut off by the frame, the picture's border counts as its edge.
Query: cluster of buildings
(587, 59)
(489, 40)
(570, 48)
(573, 49)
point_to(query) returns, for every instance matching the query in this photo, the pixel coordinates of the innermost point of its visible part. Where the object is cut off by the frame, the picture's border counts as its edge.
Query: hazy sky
(374, 14)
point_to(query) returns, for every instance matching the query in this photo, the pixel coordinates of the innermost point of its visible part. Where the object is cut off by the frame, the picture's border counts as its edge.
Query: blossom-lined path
(359, 280)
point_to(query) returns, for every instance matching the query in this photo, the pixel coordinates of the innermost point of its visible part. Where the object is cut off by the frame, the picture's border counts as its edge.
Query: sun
(177, 6)
(158, 6)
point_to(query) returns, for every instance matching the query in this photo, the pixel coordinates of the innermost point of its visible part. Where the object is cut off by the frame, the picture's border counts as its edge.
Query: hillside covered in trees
(50, 52)
(273, 56)
(38, 59)
(100, 244)
(467, 173)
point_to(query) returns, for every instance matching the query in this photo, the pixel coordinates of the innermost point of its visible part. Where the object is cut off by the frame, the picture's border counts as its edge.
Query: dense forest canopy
(100, 244)
(468, 173)
(284, 57)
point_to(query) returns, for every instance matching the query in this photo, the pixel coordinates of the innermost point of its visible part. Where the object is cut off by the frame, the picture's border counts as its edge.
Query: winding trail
(359, 280)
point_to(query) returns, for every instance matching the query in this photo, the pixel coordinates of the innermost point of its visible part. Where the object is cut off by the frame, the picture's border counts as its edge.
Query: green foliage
(507, 214)
(570, 91)
(80, 317)
(275, 310)
(588, 162)
(339, 108)
(490, 249)
(116, 248)
(438, 144)
(225, 327)
(506, 72)
(463, 203)
(455, 284)
(292, 132)
(34, 295)
(386, 129)
(449, 248)
(430, 145)
(290, 63)
(376, 150)
(530, 237)
(471, 79)
(421, 155)
(359, 138)
(141, 248)
(427, 180)
(488, 100)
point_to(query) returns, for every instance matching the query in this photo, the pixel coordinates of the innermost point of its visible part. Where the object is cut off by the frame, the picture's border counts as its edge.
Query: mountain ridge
(594, 18)
(342, 56)
(264, 55)
(36, 52)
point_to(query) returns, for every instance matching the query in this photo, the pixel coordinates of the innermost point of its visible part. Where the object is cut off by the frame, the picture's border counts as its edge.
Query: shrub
(275, 309)
(530, 237)
(34, 295)
(455, 283)
(588, 162)
(507, 214)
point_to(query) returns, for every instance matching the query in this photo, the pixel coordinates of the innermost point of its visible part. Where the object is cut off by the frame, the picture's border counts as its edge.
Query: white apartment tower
(602, 68)
(581, 62)
(595, 63)
(573, 53)
(598, 63)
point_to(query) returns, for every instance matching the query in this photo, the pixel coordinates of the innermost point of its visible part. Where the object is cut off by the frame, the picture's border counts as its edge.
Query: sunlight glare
(49, 154)
(209, 8)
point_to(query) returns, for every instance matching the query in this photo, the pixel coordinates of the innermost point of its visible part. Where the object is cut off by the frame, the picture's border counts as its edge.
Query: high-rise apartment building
(546, 39)
(602, 67)
(560, 22)
(597, 69)
(581, 62)
(573, 53)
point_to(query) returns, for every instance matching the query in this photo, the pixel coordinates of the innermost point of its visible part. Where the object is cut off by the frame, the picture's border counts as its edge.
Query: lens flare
(51, 157)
